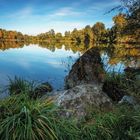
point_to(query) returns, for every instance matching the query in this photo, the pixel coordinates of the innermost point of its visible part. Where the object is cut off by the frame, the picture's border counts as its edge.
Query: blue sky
(36, 16)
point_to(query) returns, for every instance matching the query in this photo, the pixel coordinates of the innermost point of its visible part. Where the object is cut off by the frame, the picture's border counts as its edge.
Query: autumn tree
(132, 10)
(58, 37)
(88, 34)
(67, 35)
(120, 23)
(0, 33)
(99, 31)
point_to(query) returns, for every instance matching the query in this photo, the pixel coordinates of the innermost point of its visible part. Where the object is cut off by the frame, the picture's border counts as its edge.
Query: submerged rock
(87, 69)
(82, 99)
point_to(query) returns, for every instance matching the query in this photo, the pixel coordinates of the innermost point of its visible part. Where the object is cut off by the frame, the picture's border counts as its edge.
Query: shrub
(117, 85)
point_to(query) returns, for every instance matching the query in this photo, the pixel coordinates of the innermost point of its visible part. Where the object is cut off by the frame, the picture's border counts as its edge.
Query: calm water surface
(51, 64)
(35, 63)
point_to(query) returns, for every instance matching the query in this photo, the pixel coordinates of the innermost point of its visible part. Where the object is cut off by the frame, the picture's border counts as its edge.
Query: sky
(38, 16)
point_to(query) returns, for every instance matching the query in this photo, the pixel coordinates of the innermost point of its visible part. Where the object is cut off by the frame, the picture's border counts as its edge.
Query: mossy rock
(41, 89)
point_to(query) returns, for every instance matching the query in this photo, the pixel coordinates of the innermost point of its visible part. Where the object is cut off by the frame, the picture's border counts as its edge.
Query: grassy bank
(24, 116)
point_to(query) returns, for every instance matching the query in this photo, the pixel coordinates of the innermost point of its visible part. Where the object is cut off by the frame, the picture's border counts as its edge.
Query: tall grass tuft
(34, 89)
(17, 85)
(24, 119)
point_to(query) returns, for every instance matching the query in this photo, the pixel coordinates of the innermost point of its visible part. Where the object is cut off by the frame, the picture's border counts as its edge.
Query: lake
(52, 63)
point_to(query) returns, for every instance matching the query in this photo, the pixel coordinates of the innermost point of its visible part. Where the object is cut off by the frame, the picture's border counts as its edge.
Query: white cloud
(21, 14)
(65, 11)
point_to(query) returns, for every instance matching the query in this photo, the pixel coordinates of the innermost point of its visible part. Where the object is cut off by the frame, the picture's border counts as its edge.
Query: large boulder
(80, 100)
(87, 69)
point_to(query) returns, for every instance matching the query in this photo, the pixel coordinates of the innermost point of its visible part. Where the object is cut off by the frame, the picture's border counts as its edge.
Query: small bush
(117, 85)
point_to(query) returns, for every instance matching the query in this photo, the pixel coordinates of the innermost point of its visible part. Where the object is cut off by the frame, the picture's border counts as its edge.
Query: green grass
(122, 123)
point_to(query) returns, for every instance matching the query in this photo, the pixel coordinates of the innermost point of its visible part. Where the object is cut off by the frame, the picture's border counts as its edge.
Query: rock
(113, 89)
(130, 100)
(41, 89)
(132, 73)
(87, 69)
(132, 70)
(80, 100)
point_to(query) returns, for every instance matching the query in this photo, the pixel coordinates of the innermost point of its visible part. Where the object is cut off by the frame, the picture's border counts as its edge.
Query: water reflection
(52, 62)
(117, 57)
(33, 62)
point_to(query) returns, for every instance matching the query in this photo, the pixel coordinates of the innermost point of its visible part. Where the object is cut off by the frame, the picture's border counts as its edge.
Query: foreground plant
(24, 119)
(27, 119)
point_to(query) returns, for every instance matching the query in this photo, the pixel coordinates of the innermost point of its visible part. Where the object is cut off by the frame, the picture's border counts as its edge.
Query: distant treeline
(126, 29)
